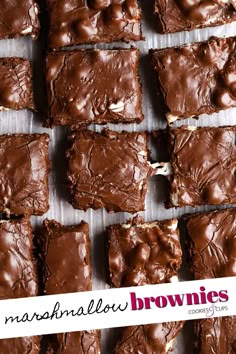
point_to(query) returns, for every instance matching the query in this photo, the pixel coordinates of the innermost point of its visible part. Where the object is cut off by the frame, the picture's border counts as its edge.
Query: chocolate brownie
(19, 18)
(212, 254)
(24, 167)
(93, 21)
(66, 267)
(203, 162)
(16, 84)
(93, 86)
(184, 15)
(143, 253)
(18, 276)
(197, 78)
(108, 170)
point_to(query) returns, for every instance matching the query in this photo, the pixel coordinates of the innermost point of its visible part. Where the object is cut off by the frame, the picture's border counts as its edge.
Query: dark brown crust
(77, 95)
(24, 167)
(18, 16)
(205, 82)
(105, 170)
(93, 22)
(174, 15)
(203, 171)
(16, 84)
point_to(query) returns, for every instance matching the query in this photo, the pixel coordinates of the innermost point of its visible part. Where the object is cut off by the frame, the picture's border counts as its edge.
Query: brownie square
(93, 86)
(16, 84)
(24, 168)
(197, 78)
(143, 253)
(108, 170)
(212, 245)
(66, 268)
(203, 164)
(154, 338)
(18, 277)
(93, 21)
(19, 18)
(176, 15)
(65, 255)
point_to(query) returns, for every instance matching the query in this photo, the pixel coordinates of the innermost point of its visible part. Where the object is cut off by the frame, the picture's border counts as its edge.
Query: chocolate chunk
(18, 277)
(65, 256)
(203, 164)
(212, 252)
(143, 253)
(24, 168)
(154, 338)
(197, 78)
(19, 18)
(93, 86)
(16, 84)
(93, 21)
(108, 170)
(186, 15)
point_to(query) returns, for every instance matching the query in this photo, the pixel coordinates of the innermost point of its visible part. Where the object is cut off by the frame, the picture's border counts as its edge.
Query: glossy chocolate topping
(93, 21)
(212, 249)
(17, 273)
(108, 170)
(186, 15)
(18, 277)
(21, 345)
(204, 166)
(93, 86)
(197, 78)
(148, 339)
(66, 254)
(213, 244)
(215, 335)
(24, 168)
(16, 87)
(19, 18)
(143, 253)
(86, 342)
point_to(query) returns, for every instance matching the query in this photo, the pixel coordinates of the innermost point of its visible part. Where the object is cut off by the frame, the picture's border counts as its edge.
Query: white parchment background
(60, 210)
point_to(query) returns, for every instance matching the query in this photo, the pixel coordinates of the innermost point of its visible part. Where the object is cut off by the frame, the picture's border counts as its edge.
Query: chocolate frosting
(66, 267)
(24, 167)
(66, 255)
(197, 78)
(203, 161)
(93, 86)
(108, 170)
(18, 277)
(143, 253)
(16, 87)
(93, 21)
(19, 18)
(186, 15)
(148, 339)
(86, 342)
(212, 251)
(213, 244)
(22, 345)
